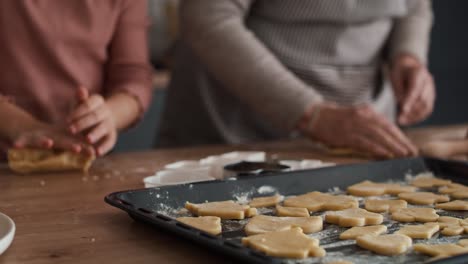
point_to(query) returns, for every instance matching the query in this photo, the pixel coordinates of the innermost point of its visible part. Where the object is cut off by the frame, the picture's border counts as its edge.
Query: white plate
(7, 232)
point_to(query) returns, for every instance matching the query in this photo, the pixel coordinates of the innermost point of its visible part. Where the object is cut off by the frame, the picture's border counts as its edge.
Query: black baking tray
(157, 206)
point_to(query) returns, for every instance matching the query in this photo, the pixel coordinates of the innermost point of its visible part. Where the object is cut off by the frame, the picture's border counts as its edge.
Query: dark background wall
(448, 60)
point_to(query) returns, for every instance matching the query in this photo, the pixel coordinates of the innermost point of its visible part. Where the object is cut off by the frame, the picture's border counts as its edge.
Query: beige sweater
(247, 70)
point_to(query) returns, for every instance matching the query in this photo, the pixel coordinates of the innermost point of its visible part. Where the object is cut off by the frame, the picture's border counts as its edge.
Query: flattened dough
(317, 201)
(353, 217)
(27, 160)
(441, 250)
(356, 231)
(292, 211)
(285, 244)
(423, 198)
(368, 188)
(425, 231)
(457, 205)
(415, 215)
(452, 226)
(224, 210)
(209, 224)
(381, 206)
(264, 223)
(389, 245)
(427, 180)
(463, 242)
(266, 201)
(457, 191)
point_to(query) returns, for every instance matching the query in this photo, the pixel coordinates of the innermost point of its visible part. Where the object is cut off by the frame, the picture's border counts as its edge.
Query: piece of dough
(415, 215)
(441, 250)
(457, 205)
(368, 188)
(429, 181)
(292, 211)
(452, 226)
(317, 201)
(425, 231)
(285, 244)
(209, 224)
(224, 210)
(356, 231)
(264, 223)
(457, 191)
(423, 198)
(27, 160)
(265, 201)
(381, 206)
(353, 217)
(463, 242)
(389, 245)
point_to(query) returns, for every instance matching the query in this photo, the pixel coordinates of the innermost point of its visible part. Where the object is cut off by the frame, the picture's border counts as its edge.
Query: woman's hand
(359, 128)
(414, 89)
(93, 119)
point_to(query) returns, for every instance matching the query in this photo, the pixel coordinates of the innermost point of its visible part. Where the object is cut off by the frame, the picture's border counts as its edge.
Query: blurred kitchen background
(448, 61)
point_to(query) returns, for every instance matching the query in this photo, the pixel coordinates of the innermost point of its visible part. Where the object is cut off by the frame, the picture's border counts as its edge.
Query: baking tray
(159, 206)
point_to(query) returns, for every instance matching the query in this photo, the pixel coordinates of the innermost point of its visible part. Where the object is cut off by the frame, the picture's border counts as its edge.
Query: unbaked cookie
(356, 231)
(224, 210)
(209, 224)
(452, 226)
(353, 217)
(455, 190)
(381, 206)
(415, 215)
(266, 201)
(264, 223)
(463, 242)
(441, 250)
(317, 201)
(368, 188)
(429, 181)
(425, 231)
(285, 244)
(389, 245)
(423, 198)
(457, 205)
(292, 211)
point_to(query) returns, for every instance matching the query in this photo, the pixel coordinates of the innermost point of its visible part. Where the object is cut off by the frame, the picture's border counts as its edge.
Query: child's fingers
(97, 133)
(86, 107)
(82, 93)
(33, 141)
(67, 144)
(89, 120)
(106, 145)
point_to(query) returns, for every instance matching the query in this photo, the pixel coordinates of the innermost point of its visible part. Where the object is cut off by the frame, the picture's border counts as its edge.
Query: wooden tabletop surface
(62, 218)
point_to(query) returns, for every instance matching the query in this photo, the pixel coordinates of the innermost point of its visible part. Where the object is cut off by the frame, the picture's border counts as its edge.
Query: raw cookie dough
(452, 226)
(441, 250)
(427, 180)
(463, 242)
(42, 160)
(423, 198)
(353, 217)
(209, 224)
(317, 201)
(265, 201)
(415, 215)
(368, 188)
(425, 231)
(381, 206)
(457, 191)
(224, 210)
(356, 231)
(292, 211)
(285, 244)
(389, 245)
(264, 223)
(457, 205)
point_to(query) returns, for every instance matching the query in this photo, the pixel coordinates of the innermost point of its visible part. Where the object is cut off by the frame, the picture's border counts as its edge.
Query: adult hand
(93, 119)
(359, 128)
(414, 89)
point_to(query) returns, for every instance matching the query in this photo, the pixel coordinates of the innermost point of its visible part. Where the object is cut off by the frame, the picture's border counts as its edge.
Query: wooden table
(62, 218)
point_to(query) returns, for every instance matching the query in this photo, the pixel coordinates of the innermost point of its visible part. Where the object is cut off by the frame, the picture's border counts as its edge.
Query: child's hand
(93, 119)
